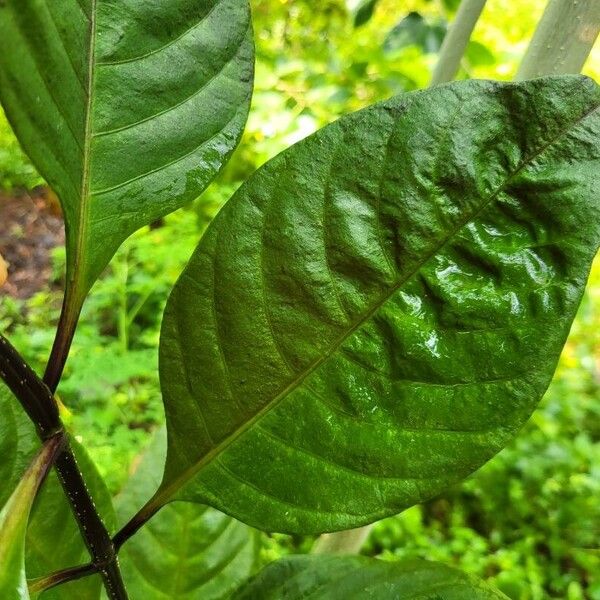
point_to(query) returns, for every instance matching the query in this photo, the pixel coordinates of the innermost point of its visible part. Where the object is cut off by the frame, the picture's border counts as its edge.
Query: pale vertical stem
(457, 40)
(342, 542)
(563, 39)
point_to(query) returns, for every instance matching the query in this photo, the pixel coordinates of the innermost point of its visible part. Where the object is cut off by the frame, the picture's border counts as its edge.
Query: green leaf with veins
(358, 577)
(128, 108)
(188, 551)
(380, 308)
(53, 538)
(14, 518)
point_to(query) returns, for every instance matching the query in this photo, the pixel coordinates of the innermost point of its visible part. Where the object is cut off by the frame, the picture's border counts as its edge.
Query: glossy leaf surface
(53, 538)
(355, 577)
(380, 308)
(128, 108)
(187, 551)
(14, 518)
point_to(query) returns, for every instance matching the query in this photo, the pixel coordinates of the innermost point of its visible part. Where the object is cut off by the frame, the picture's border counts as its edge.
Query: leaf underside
(379, 309)
(356, 577)
(128, 108)
(53, 538)
(187, 551)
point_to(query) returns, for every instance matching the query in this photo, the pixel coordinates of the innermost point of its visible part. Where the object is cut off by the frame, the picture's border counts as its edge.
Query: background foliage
(530, 520)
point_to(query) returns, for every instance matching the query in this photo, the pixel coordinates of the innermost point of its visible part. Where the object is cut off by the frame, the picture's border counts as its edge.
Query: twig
(42, 584)
(41, 407)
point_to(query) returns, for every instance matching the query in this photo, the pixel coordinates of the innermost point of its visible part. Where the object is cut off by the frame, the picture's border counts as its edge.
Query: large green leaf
(335, 577)
(379, 309)
(128, 108)
(13, 524)
(188, 551)
(53, 538)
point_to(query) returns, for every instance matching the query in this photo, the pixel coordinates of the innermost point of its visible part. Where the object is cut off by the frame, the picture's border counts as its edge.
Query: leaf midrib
(86, 168)
(164, 494)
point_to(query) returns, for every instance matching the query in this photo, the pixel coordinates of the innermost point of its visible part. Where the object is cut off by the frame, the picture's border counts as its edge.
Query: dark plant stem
(40, 405)
(135, 524)
(94, 532)
(34, 396)
(65, 332)
(42, 584)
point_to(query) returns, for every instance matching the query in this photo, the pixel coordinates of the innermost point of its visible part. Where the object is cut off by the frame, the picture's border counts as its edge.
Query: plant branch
(40, 405)
(94, 532)
(65, 332)
(42, 584)
(456, 41)
(136, 523)
(69, 315)
(34, 396)
(563, 39)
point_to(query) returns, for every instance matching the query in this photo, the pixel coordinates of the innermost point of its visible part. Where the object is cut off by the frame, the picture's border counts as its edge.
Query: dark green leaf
(127, 108)
(53, 538)
(188, 551)
(416, 30)
(380, 308)
(356, 577)
(364, 12)
(14, 518)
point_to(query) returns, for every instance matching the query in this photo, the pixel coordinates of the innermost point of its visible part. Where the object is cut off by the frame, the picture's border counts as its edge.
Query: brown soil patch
(30, 227)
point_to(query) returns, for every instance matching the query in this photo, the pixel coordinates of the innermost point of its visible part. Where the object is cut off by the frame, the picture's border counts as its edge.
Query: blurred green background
(529, 521)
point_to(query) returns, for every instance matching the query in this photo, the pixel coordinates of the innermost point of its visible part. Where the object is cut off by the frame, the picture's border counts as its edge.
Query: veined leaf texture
(379, 309)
